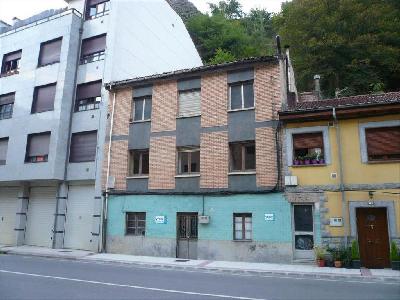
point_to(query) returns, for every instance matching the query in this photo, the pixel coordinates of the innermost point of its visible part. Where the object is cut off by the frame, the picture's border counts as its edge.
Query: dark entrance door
(373, 237)
(187, 235)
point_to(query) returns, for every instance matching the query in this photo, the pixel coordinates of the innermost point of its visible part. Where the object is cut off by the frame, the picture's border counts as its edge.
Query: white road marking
(130, 286)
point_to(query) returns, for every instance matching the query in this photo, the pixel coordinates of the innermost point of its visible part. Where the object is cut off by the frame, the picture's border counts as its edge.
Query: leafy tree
(353, 44)
(230, 9)
(234, 33)
(222, 56)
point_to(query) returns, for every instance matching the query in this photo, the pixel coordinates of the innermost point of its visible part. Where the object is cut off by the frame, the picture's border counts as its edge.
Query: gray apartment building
(53, 110)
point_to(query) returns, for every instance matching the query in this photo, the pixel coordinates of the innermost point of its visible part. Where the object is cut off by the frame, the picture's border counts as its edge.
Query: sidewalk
(245, 268)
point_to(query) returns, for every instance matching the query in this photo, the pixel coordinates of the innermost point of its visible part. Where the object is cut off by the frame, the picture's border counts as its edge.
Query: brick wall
(214, 100)
(162, 163)
(267, 92)
(164, 107)
(214, 160)
(122, 112)
(119, 163)
(266, 169)
(119, 149)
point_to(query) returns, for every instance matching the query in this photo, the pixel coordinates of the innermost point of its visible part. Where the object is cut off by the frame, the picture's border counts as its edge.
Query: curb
(248, 272)
(261, 273)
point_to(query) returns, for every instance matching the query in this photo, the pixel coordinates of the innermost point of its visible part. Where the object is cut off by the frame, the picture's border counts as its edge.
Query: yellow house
(342, 174)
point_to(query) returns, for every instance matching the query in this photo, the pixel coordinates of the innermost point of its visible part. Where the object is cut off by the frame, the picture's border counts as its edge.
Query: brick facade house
(193, 168)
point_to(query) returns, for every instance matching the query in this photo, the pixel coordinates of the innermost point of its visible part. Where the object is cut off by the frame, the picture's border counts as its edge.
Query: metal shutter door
(8, 209)
(40, 217)
(79, 218)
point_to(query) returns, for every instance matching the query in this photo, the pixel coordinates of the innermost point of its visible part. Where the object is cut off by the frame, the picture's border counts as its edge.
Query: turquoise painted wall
(219, 208)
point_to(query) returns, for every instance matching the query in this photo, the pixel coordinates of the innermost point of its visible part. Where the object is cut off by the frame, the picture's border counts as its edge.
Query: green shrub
(394, 252)
(355, 251)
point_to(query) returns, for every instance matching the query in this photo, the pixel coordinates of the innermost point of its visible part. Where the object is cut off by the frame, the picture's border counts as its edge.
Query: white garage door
(8, 210)
(79, 218)
(40, 217)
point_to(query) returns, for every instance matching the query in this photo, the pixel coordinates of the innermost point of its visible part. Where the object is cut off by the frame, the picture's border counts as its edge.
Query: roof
(197, 71)
(345, 102)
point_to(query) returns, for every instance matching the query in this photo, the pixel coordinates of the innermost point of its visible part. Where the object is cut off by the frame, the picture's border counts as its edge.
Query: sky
(26, 8)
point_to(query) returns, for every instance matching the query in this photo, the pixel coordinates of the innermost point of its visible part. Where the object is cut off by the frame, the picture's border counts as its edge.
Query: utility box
(204, 219)
(336, 222)
(291, 180)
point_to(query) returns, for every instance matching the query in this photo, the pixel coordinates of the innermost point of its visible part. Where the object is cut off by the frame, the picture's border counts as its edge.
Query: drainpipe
(105, 201)
(341, 175)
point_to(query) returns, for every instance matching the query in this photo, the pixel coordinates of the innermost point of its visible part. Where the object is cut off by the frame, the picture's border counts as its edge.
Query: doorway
(187, 230)
(303, 231)
(373, 237)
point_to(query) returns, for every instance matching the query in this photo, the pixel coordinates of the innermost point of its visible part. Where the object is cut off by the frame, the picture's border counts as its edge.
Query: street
(23, 277)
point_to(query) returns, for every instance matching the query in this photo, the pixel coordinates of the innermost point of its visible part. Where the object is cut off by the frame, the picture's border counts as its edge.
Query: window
(37, 149)
(142, 108)
(83, 147)
(10, 64)
(303, 227)
(6, 105)
(3, 150)
(136, 223)
(188, 161)
(243, 156)
(189, 103)
(50, 52)
(308, 148)
(88, 96)
(43, 98)
(93, 49)
(241, 95)
(242, 227)
(383, 143)
(139, 162)
(96, 8)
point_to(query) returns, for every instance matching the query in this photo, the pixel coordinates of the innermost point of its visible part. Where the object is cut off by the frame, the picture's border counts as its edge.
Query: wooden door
(187, 235)
(373, 237)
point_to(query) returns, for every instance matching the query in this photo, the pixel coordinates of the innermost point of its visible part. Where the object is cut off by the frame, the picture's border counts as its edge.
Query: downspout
(341, 175)
(105, 201)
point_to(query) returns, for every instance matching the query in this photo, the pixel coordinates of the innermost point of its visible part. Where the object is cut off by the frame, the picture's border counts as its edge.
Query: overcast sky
(26, 8)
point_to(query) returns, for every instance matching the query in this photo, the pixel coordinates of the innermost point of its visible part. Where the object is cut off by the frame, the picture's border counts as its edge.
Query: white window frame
(145, 99)
(241, 83)
(289, 142)
(186, 150)
(363, 138)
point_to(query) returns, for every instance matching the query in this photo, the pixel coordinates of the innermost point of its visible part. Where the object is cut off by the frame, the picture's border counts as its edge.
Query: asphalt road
(41, 278)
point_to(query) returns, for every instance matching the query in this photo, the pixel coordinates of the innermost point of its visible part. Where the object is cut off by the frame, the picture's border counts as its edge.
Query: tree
(234, 33)
(353, 44)
(230, 9)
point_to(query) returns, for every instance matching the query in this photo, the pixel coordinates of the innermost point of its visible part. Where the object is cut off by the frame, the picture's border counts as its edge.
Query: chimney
(317, 85)
(15, 20)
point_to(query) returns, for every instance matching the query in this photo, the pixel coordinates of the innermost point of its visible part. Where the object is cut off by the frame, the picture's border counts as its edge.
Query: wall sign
(269, 217)
(160, 219)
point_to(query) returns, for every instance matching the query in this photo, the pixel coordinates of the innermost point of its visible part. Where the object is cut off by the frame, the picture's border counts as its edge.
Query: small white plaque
(269, 217)
(160, 219)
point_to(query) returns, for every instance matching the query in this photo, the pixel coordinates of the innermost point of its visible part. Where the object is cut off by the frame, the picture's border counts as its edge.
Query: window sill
(141, 121)
(78, 111)
(9, 74)
(246, 241)
(242, 173)
(241, 109)
(187, 175)
(97, 16)
(81, 63)
(186, 117)
(84, 161)
(49, 64)
(138, 177)
(40, 112)
(36, 162)
(374, 162)
(310, 165)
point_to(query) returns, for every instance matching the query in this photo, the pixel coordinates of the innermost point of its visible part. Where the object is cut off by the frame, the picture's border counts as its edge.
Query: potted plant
(355, 255)
(338, 256)
(314, 159)
(321, 160)
(296, 161)
(394, 256)
(320, 253)
(307, 159)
